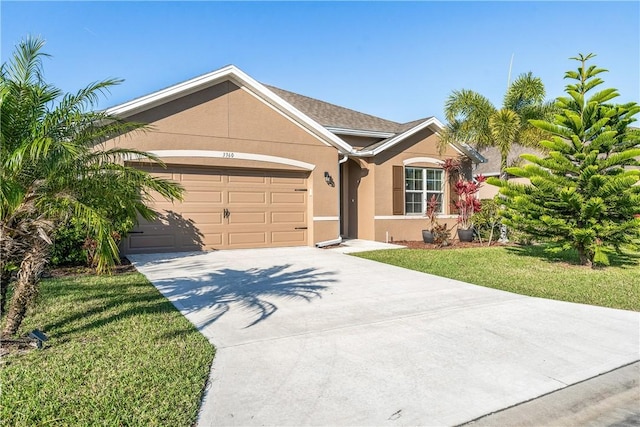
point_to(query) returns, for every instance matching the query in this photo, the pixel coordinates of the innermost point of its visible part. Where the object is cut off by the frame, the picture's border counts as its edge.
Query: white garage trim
(325, 218)
(229, 155)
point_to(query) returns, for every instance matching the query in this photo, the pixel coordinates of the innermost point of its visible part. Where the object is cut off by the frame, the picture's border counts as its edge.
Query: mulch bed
(417, 244)
(124, 267)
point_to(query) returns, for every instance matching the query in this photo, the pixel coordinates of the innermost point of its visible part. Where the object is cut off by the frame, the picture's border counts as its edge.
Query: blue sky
(397, 60)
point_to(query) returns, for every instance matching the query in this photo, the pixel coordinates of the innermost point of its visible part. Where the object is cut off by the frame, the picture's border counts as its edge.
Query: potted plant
(437, 233)
(467, 204)
(432, 211)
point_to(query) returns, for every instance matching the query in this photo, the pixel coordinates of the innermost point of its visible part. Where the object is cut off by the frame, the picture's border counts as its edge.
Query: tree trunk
(585, 259)
(503, 176)
(26, 286)
(5, 280)
(503, 166)
(5, 275)
(493, 226)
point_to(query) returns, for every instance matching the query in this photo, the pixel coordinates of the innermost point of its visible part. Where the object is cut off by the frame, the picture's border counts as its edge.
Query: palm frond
(526, 91)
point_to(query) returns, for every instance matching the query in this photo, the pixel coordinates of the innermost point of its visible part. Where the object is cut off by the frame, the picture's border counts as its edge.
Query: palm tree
(473, 119)
(54, 166)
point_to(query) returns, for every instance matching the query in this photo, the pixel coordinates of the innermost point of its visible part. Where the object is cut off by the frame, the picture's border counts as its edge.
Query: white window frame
(424, 192)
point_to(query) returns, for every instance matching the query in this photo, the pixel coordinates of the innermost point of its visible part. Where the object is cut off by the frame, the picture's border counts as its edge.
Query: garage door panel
(161, 173)
(297, 198)
(289, 181)
(247, 238)
(265, 209)
(212, 240)
(288, 218)
(297, 237)
(255, 179)
(157, 227)
(208, 197)
(195, 179)
(208, 229)
(190, 240)
(245, 197)
(248, 218)
(189, 246)
(157, 241)
(159, 202)
(204, 218)
(203, 181)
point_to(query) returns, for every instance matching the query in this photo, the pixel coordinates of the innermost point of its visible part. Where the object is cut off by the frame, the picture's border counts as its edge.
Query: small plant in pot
(467, 204)
(432, 217)
(437, 233)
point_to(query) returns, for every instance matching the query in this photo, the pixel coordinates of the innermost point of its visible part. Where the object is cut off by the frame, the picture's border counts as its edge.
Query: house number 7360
(227, 155)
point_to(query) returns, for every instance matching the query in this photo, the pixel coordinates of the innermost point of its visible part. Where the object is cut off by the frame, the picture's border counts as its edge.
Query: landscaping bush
(73, 246)
(487, 220)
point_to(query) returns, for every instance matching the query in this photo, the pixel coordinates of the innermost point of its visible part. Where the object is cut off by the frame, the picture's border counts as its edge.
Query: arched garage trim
(235, 155)
(414, 160)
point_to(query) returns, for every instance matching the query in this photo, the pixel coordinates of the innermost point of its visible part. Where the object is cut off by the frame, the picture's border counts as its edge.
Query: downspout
(339, 239)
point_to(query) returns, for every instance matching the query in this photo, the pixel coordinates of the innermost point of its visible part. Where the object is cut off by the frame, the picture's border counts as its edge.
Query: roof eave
(359, 132)
(437, 126)
(163, 96)
(470, 152)
(400, 137)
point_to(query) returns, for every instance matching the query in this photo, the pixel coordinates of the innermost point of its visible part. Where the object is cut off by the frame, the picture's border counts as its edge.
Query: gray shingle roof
(330, 115)
(333, 116)
(492, 154)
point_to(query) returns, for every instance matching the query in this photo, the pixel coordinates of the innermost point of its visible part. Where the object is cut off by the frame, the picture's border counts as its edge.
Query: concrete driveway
(310, 336)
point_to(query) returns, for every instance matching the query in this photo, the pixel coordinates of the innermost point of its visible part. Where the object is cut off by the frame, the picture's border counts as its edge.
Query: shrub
(487, 219)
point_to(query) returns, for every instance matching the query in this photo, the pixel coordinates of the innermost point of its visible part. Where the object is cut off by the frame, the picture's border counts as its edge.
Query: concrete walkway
(310, 336)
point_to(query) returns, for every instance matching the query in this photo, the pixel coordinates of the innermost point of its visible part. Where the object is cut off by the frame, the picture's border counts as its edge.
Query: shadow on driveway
(253, 290)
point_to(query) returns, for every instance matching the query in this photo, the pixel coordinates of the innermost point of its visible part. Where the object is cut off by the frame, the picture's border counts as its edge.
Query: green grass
(527, 271)
(119, 354)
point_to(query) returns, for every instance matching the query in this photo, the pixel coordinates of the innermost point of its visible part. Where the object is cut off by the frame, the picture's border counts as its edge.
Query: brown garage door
(225, 209)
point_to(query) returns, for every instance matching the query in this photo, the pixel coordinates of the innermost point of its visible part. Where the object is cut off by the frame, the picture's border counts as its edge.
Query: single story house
(264, 167)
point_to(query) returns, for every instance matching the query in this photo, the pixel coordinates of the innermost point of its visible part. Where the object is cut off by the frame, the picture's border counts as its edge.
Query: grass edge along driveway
(527, 270)
(119, 354)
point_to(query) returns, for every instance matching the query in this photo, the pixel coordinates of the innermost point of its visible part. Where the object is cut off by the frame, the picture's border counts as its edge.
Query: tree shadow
(103, 303)
(119, 307)
(570, 256)
(179, 232)
(253, 290)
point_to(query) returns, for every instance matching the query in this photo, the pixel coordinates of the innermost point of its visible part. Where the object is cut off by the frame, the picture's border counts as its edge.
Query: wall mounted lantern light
(329, 180)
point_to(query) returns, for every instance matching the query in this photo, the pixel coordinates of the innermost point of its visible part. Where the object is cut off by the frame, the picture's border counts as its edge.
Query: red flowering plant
(467, 202)
(433, 207)
(440, 233)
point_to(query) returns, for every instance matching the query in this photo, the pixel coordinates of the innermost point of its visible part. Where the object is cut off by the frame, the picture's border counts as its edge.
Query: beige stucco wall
(227, 118)
(398, 227)
(359, 141)
(410, 229)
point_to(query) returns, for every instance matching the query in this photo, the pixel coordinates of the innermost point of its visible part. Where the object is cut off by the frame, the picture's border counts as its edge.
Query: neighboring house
(264, 167)
(492, 166)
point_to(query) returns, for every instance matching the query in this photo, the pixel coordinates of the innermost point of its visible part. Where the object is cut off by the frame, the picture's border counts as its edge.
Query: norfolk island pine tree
(582, 195)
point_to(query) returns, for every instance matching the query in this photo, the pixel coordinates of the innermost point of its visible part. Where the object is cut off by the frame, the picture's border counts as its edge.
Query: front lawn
(527, 271)
(119, 354)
